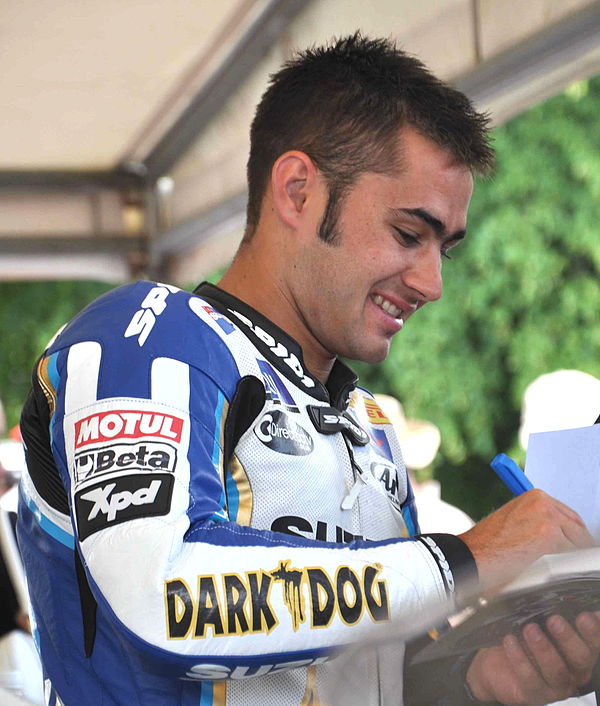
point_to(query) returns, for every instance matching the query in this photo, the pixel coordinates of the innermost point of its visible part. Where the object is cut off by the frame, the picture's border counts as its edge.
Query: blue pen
(511, 474)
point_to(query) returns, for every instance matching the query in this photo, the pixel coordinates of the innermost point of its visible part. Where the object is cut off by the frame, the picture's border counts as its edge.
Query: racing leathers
(203, 522)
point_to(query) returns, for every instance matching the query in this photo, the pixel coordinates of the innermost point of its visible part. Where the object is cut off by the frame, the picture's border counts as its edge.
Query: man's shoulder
(150, 320)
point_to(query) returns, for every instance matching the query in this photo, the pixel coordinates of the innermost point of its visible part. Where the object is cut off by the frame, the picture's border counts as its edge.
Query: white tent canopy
(125, 122)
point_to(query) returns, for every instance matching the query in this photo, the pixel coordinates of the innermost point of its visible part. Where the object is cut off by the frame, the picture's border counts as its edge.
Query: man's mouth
(388, 307)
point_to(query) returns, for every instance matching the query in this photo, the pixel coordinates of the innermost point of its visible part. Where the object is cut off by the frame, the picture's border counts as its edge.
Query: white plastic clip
(350, 499)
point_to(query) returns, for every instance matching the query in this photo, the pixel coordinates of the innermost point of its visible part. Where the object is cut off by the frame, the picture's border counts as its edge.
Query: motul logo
(125, 424)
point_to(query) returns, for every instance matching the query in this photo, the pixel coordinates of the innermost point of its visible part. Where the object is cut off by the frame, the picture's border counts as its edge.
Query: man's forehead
(411, 142)
(431, 191)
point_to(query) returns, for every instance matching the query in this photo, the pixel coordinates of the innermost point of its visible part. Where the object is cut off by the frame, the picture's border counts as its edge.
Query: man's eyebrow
(435, 223)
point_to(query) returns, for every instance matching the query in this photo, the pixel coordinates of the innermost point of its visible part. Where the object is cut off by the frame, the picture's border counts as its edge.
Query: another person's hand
(536, 669)
(529, 526)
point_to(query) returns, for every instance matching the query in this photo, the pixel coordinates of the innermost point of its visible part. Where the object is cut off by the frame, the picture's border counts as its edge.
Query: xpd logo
(145, 456)
(123, 498)
(277, 431)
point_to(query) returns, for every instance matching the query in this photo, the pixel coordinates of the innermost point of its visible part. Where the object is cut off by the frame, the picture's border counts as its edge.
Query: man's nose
(424, 276)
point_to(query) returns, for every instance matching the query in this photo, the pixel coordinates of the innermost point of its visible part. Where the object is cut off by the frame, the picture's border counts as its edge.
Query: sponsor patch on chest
(276, 391)
(278, 431)
(387, 475)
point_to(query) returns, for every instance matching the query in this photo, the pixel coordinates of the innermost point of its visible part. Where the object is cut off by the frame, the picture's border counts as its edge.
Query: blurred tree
(521, 296)
(30, 314)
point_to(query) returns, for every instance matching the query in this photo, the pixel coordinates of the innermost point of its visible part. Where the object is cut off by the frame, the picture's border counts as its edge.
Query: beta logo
(124, 498)
(123, 424)
(145, 456)
(277, 431)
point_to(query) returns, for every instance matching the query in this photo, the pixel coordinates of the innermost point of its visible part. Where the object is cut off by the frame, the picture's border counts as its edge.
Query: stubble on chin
(373, 353)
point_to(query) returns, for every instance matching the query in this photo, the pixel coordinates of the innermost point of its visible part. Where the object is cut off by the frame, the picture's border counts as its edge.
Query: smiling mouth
(388, 307)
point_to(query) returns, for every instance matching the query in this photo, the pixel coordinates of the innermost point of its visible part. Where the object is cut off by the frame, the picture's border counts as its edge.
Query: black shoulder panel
(35, 429)
(248, 400)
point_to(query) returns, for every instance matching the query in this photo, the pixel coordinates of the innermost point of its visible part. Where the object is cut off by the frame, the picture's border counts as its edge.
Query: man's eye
(446, 255)
(406, 238)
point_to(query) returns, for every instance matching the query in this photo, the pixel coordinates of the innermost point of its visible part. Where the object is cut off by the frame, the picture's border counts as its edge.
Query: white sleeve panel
(216, 588)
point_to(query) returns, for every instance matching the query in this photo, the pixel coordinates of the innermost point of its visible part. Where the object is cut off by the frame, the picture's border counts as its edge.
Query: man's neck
(251, 280)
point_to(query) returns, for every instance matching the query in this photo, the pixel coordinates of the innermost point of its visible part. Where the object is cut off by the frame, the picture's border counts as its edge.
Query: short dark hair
(343, 103)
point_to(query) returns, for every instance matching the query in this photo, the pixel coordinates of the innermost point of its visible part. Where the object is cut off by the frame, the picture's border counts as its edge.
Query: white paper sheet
(566, 464)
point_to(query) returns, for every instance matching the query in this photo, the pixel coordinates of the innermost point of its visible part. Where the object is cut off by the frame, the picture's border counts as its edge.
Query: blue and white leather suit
(203, 522)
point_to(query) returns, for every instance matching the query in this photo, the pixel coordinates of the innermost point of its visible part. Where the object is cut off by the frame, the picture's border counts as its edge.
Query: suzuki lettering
(323, 531)
(243, 671)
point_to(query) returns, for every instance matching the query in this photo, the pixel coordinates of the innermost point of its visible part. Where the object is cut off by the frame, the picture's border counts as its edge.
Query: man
(212, 506)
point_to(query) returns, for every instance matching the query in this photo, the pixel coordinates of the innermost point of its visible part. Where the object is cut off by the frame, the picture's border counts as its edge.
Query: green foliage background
(30, 314)
(521, 298)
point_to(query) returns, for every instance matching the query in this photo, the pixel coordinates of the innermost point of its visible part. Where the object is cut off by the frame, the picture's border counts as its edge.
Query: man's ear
(295, 187)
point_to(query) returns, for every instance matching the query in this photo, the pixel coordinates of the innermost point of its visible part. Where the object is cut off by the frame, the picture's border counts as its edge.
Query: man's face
(392, 234)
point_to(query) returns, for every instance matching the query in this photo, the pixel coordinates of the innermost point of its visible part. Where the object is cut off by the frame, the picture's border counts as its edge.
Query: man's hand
(536, 669)
(529, 526)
